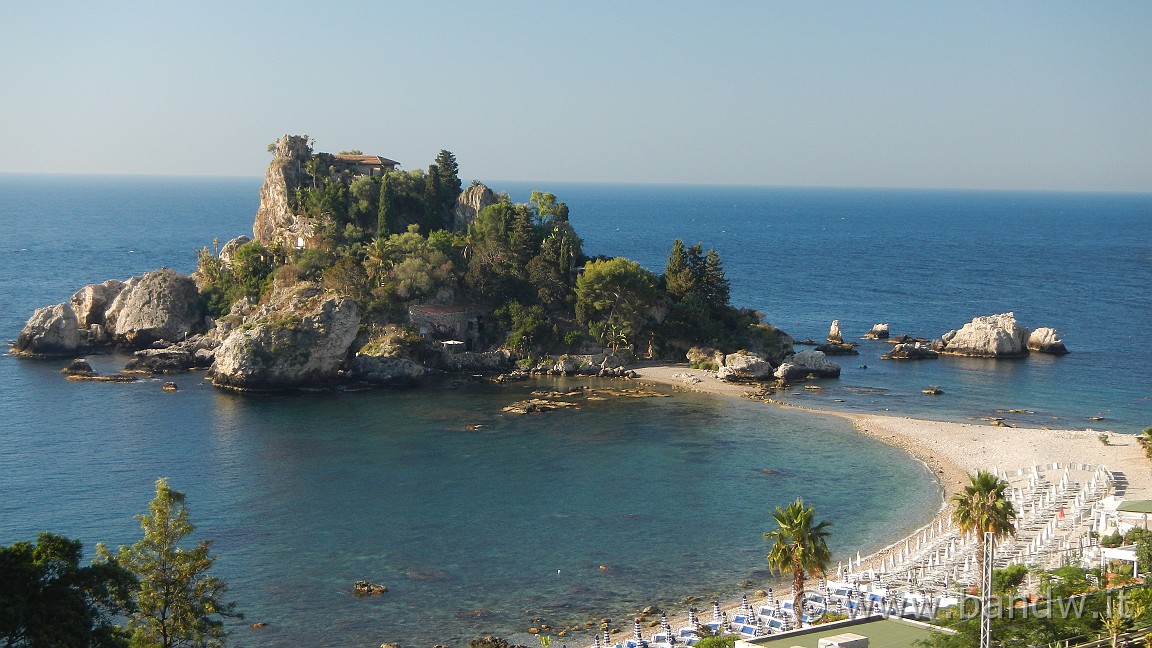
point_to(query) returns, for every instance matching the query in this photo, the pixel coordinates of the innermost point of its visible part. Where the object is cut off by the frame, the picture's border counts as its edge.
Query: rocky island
(359, 273)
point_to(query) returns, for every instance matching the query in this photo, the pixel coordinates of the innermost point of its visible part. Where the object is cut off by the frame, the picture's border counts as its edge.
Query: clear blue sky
(1031, 95)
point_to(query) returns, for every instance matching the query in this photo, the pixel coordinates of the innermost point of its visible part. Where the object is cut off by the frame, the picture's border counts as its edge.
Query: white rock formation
(834, 334)
(1046, 340)
(744, 366)
(807, 363)
(52, 330)
(991, 336)
(877, 332)
(161, 305)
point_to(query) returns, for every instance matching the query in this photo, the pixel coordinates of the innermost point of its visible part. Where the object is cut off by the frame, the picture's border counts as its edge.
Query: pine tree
(178, 603)
(713, 282)
(678, 279)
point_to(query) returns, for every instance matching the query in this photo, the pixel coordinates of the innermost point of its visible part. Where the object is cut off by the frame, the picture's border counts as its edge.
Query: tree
(798, 546)
(449, 177)
(433, 200)
(613, 298)
(983, 507)
(386, 216)
(48, 599)
(178, 603)
(678, 279)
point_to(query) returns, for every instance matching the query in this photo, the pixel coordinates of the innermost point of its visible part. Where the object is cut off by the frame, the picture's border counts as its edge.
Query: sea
(484, 523)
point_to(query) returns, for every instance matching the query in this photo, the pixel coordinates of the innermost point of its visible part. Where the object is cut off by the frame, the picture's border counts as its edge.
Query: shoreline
(950, 450)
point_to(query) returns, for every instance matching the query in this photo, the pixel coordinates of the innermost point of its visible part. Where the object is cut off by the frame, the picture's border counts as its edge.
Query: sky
(1050, 95)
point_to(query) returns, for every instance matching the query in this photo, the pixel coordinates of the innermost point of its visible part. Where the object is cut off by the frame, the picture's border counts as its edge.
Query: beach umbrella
(715, 610)
(771, 597)
(636, 630)
(607, 637)
(840, 571)
(597, 641)
(693, 620)
(857, 560)
(664, 625)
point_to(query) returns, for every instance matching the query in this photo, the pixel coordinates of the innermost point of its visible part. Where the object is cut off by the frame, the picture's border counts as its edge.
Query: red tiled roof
(370, 160)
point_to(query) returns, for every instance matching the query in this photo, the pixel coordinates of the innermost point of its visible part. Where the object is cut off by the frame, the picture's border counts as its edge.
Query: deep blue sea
(486, 531)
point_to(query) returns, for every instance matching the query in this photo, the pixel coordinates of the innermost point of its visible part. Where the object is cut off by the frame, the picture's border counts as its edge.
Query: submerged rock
(991, 336)
(910, 351)
(843, 348)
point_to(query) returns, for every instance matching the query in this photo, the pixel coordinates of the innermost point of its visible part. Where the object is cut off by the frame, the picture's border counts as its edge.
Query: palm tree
(981, 508)
(799, 546)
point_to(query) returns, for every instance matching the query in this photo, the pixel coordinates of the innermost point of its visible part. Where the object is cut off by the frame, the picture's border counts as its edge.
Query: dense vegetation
(389, 241)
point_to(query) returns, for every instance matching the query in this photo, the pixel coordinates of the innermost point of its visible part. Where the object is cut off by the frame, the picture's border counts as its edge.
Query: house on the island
(366, 165)
(456, 326)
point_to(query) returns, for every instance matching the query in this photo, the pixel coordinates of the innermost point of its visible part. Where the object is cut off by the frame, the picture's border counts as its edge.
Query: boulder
(162, 305)
(228, 252)
(698, 356)
(991, 336)
(160, 361)
(744, 366)
(90, 302)
(843, 348)
(385, 370)
(877, 332)
(566, 365)
(51, 331)
(807, 363)
(910, 351)
(78, 367)
(1046, 340)
(834, 335)
(302, 339)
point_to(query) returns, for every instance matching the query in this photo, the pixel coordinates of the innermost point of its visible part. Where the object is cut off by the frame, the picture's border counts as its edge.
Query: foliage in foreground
(177, 603)
(48, 599)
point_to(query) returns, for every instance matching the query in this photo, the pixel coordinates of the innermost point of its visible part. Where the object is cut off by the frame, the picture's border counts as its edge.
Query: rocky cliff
(276, 218)
(302, 337)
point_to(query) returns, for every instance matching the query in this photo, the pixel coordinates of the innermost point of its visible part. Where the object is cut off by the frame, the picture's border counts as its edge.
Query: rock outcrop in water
(51, 331)
(1046, 340)
(160, 306)
(163, 305)
(991, 336)
(302, 338)
(834, 334)
(807, 363)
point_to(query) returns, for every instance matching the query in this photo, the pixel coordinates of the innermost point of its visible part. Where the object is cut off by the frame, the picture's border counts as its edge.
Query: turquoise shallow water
(304, 494)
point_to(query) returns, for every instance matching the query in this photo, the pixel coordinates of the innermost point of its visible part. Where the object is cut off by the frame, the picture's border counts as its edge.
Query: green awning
(1135, 506)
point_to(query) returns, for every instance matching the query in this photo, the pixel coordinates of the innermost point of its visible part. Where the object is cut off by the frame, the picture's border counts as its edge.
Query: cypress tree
(449, 185)
(433, 201)
(386, 214)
